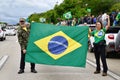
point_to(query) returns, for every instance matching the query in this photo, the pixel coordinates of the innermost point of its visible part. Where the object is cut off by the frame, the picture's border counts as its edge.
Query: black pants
(99, 51)
(22, 62)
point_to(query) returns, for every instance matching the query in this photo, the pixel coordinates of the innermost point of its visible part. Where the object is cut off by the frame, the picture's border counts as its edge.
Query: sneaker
(96, 72)
(21, 71)
(104, 74)
(33, 71)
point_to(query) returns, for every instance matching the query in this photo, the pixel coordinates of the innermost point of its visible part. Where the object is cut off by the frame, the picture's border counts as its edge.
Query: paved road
(113, 63)
(9, 71)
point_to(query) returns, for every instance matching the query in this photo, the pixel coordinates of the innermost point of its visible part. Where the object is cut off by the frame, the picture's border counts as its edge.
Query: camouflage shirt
(23, 36)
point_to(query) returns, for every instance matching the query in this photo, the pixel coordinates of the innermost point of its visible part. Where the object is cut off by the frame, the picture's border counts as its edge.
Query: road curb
(113, 75)
(3, 59)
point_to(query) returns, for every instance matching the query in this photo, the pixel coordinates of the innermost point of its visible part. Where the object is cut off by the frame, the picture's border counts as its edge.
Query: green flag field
(57, 45)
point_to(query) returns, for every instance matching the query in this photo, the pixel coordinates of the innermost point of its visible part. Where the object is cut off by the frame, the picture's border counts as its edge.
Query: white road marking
(3, 60)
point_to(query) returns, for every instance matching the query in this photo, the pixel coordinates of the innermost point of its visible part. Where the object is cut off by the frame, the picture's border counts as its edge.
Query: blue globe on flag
(57, 45)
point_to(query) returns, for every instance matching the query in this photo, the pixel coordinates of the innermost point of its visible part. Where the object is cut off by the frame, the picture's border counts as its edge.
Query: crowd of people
(92, 19)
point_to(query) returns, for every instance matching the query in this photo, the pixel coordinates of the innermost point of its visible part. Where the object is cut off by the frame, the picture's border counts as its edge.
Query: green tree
(78, 8)
(115, 7)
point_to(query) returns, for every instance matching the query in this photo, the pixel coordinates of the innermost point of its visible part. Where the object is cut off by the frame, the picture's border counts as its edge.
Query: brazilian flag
(57, 45)
(89, 10)
(67, 15)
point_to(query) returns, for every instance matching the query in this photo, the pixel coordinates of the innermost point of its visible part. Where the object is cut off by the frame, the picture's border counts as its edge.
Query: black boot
(21, 71)
(96, 72)
(104, 74)
(33, 71)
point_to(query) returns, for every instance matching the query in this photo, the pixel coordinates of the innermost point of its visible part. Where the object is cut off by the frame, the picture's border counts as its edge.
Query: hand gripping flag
(53, 45)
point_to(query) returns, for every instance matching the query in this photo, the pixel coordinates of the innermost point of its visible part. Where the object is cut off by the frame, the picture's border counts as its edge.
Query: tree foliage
(115, 7)
(78, 8)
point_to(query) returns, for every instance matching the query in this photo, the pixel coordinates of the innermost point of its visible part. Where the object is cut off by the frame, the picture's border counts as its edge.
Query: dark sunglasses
(22, 21)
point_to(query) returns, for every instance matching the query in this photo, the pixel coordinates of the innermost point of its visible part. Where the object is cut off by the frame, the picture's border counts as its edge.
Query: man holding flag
(23, 34)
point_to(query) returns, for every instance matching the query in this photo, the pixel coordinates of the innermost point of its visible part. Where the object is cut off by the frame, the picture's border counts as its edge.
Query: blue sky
(12, 10)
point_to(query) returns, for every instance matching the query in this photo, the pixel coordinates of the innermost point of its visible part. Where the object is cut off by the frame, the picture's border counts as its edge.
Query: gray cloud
(12, 10)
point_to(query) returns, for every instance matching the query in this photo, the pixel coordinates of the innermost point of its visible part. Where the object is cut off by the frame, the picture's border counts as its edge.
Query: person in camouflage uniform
(23, 35)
